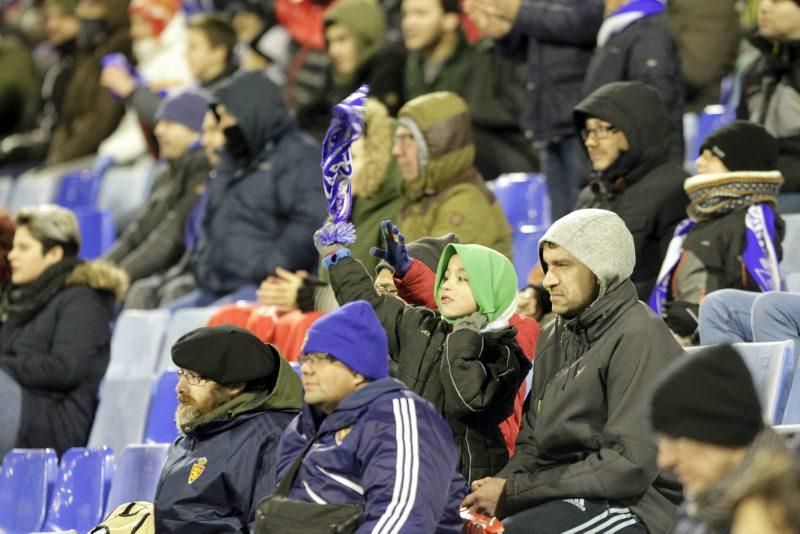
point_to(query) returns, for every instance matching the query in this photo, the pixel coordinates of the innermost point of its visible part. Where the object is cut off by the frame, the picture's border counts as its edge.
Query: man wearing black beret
(235, 396)
(706, 411)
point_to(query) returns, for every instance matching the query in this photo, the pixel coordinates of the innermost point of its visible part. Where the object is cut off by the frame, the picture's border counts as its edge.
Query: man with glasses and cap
(235, 396)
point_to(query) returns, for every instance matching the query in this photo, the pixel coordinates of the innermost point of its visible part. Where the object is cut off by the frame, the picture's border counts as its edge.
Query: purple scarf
(627, 15)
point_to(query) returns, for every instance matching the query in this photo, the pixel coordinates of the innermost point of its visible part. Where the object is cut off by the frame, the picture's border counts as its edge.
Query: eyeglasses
(314, 358)
(192, 378)
(600, 133)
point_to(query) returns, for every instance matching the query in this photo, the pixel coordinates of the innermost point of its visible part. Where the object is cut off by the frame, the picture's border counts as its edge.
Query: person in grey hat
(235, 397)
(586, 458)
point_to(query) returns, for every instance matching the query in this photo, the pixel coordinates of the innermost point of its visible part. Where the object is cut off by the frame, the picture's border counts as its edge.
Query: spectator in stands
(89, 113)
(768, 498)
(706, 412)
(708, 35)
(54, 341)
(585, 455)
(154, 241)
(7, 227)
(635, 43)
(235, 397)
(534, 301)
(62, 27)
(770, 86)
(158, 30)
(249, 18)
(734, 316)
(625, 128)
(18, 82)
(266, 198)
(375, 186)
(732, 238)
(378, 445)
(210, 50)
(463, 359)
(441, 59)
(557, 39)
(268, 51)
(434, 148)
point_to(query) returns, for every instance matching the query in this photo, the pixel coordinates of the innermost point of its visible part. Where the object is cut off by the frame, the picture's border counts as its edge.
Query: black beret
(225, 354)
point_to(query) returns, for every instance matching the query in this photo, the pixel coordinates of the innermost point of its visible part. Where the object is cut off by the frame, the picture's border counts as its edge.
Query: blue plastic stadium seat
(121, 399)
(790, 263)
(772, 367)
(791, 416)
(97, 232)
(524, 199)
(26, 483)
(79, 189)
(125, 189)
(32, 191)
(81, 490)
(711, 119)
(182, 322)
(138, 471)
(160, 426)
(136, 343)
(789, 203)
(6, 184)
(525, 246)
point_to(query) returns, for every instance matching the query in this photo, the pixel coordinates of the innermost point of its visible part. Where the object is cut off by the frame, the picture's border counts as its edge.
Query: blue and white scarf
(759, 256)
(337, 167)
(627, 15)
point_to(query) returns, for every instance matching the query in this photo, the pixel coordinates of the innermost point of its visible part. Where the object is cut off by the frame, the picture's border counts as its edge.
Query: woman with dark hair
(56, 332)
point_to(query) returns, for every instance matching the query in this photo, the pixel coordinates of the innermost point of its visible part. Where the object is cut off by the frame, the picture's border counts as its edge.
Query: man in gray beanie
(586, 457)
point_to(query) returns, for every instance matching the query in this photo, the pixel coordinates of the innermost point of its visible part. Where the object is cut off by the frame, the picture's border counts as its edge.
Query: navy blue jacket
(384, 448)
(556, 38)
(234, 462)
(262, 213)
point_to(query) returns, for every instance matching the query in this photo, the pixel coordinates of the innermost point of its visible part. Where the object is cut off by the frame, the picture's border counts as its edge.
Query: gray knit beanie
(598, 239)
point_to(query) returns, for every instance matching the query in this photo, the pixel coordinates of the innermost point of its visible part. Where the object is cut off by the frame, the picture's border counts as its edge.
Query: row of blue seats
(37, 494)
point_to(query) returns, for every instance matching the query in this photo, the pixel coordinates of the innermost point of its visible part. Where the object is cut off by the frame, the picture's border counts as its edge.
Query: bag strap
(282, 490)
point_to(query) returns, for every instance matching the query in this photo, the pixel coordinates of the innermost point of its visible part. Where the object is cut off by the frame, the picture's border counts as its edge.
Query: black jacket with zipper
(470, 377)
(586, 433)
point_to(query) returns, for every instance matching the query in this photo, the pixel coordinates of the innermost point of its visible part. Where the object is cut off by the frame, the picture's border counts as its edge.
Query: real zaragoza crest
(197, 469)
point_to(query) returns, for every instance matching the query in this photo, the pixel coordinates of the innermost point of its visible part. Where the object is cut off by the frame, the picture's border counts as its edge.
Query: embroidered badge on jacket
(197, 469)
(340, 435)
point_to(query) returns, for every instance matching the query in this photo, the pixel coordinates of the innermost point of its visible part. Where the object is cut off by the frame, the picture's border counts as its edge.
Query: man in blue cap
(377, 444)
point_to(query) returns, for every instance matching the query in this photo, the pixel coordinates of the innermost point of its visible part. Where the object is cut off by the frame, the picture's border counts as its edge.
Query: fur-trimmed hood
(100, 275)
(377, 150)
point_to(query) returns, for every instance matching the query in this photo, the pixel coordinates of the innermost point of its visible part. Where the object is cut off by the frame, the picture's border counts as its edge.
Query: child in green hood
(465, 361)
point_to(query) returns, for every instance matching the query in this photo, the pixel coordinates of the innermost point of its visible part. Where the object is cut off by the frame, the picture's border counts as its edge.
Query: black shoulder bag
(280, 514)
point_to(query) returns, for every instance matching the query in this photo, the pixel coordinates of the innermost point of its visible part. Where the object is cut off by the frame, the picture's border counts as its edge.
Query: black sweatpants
(575, 516)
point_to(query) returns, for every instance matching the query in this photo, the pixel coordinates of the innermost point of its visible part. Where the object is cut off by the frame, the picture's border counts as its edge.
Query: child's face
(455, 294)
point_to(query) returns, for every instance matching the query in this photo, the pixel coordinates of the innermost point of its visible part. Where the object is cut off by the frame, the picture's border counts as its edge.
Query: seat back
(524, 198)
(160, 427)
(791, 416)
(525, 246)
(31, 191)
(122, 411)
(79, 189)
(125, 189)
(81, 489)
(711, 119)
(6, 184)
(790, 263)
(136, 342)
(97, 231)
(26, 483)
(182, 322)
(772, 367)
(138, 470)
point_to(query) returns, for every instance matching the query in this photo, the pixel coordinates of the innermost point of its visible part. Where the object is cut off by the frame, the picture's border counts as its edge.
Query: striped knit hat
(714, 195)
(442, 129)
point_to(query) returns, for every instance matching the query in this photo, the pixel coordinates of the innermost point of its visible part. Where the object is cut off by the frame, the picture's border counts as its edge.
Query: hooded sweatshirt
(449, 194)
(470, 377)
(586, 433)
(642, 186)
(226, 461)
(263, 208)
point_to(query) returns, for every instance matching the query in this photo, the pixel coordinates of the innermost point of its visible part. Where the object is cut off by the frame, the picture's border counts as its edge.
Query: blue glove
(101, 165)
(396, 253)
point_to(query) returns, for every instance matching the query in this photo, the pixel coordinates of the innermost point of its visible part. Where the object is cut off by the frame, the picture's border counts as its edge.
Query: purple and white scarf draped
(627, 15)
(759, 257)
(337, 167)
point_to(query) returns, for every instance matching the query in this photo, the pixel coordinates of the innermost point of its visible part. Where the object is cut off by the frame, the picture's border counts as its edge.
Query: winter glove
(473, 321)
(396, 253)
(681, 317)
